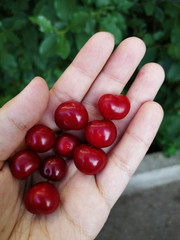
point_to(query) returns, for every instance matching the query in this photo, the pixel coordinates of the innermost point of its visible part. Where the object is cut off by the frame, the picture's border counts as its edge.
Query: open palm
(85, 201)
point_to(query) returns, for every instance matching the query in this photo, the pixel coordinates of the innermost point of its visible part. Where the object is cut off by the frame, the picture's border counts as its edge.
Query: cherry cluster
(89, 158)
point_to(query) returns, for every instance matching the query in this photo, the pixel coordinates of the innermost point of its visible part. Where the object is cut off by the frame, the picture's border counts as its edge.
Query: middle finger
(116, 73)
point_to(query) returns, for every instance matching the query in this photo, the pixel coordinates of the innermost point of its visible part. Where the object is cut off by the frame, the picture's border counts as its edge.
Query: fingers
(143, 89)
(128, 153)
(20, 114)
(78, 77)
(116, 72)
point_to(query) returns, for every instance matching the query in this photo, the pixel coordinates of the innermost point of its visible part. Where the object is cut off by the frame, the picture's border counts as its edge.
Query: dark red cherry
(66, 144)
(42, 198)
(71, 115)
(100, 133)
(114, 107)
(53, 168)
(89, 160)
(24, 163)
(40, 138)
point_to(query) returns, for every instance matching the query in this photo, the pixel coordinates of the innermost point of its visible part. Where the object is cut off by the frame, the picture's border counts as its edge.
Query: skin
(86, 201)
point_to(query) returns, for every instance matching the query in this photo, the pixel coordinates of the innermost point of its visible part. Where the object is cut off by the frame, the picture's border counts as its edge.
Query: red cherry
(40, 138)
(42, 198)
(114, 107)
(53, 168)
(89, 160)
(66, 144)
(24, 163)
(100, 133)
(71, 115)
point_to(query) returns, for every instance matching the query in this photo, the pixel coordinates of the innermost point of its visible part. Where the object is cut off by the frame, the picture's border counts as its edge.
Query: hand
(85, 200)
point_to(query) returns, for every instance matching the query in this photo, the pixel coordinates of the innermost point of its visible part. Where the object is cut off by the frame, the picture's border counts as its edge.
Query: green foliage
(42, 38)
(44, 23)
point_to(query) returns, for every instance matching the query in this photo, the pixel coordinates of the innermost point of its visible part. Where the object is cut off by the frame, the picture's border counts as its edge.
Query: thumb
(19, 114)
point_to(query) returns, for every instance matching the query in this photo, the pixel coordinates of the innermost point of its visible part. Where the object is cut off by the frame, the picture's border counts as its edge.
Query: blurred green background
(42, 38)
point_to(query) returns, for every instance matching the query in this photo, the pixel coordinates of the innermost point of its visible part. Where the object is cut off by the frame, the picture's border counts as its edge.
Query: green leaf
(78, 21)
(46, 9)
(16, 7)
(12, 37)
(120, 20)
(149, 8)
(60, 25)
(90, 27)
(37, 10)
(7, 61)
(150, 56)
(48, 75)
(148, 39)
(8, 22)
(158, 35)
(170, 129)
(58, 72)
(89, 2)
(159, 14)
(14, 23)
(48, 45)
(101, 3)
(170, 9)
(39, 62)
(81, 39)
(174, 51)
(175, 35)
(65, 9)
(44, 23)
(28, 35)
(124, 5)
(173, 74)
(170, 149)
(2, 39)
(19, 23)
(109, 24)
(63, 46)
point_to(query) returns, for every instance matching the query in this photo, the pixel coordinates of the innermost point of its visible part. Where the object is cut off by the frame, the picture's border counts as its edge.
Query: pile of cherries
(89, 158)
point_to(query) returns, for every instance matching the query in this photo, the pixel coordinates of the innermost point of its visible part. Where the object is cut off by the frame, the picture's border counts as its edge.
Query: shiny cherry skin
(66, 144)
(89, 160)
(53, 168)
(114, 107)
(40, 138)
(42, 198)
(71, 115)
(100, 133)
(24, 163)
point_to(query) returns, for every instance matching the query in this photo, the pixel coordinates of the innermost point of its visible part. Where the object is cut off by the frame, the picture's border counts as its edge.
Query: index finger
(75, 82)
